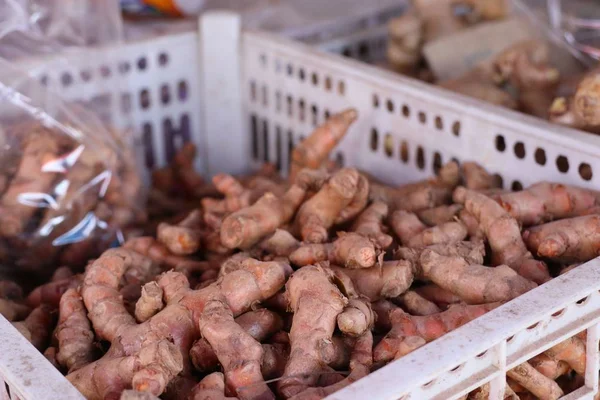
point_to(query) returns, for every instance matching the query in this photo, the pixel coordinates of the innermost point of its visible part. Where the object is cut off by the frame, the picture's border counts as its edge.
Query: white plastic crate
(250, 96)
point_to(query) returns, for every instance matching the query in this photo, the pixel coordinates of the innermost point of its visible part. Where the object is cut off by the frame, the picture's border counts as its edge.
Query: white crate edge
(27, 372)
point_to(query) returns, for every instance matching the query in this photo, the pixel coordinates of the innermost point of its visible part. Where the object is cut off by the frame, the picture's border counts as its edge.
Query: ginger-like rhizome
(524, 75)
(268, 288)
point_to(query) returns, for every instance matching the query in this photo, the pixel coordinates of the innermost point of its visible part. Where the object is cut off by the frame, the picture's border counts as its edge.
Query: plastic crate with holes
(263, 94)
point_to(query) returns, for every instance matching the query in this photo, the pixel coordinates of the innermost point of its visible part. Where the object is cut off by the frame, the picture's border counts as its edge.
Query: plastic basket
(250, 96)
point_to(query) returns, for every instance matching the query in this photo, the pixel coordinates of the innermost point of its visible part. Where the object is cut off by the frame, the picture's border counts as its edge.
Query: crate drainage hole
(457, 368)
(388, 145)
(481, 355)
(583, 301)
(559, 313)
(374, 139)
(532, 327)
(510, 339)
(585, 171)
(428, 384)
(540, 156)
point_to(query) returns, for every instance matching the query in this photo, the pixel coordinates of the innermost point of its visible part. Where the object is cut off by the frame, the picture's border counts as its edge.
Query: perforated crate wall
(149, 86)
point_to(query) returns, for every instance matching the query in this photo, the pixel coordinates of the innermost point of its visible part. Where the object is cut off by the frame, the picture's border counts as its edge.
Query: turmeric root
(183, 238)
(39, 148)
(246, 227)
(281, 243)
(404, 50)
(316, 303)
(437, 295)
(472, 225)
(315, 149)
(236, 196)
(159, 347)
(357, 318)
(151, 248)
(388, 280)
(475, 284)
(549, 367)
(415, 304)
(382, 309)
(320, 212)
(483, 393)
(358, 202)
(472, 252)
(259, 324)
(579, 110)
(360, 366)
(61, 273)
(447, 233)
(419, 196)
(211, 387)
(475, 177)
(569, 240)
(74, 333)
(51, 292)
(428, 327)
(150, 302)
(526, 66)
(11, 297)
(535, 382)
(275, 357)
(439, 215)
(38, 324)
(406, 225)
(350, 250)
(481, 10)
(503, 234)
(370, 224)
(572, 352)
(545, 201)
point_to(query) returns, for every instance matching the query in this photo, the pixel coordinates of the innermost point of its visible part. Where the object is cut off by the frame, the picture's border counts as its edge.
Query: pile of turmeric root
(62, 196)
(522, 77)
(256, 287)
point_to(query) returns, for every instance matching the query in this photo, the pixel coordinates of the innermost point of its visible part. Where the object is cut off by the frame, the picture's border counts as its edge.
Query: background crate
(261, 95)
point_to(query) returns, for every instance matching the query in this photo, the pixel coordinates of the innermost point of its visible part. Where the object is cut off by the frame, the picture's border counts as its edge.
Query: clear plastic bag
(68, 180)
